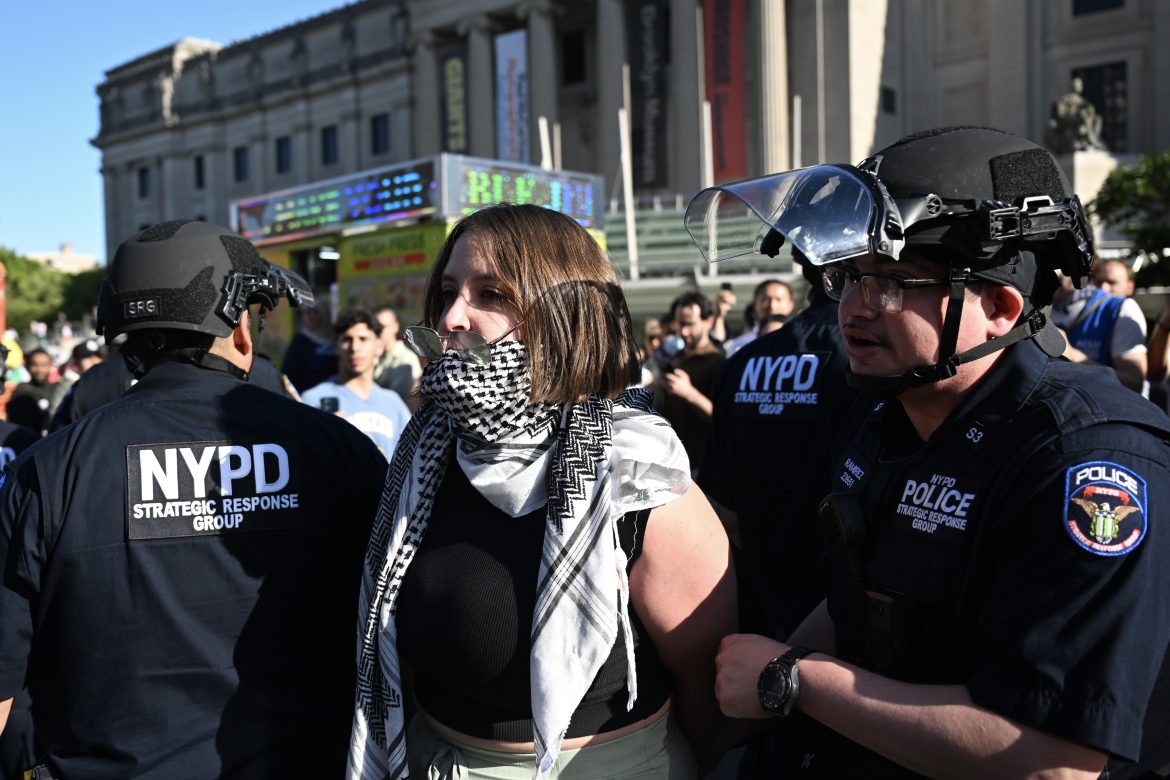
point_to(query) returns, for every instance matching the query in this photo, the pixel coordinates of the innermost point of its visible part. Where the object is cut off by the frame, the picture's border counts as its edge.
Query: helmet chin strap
(205, 359)
(949, 362)
(198, 357)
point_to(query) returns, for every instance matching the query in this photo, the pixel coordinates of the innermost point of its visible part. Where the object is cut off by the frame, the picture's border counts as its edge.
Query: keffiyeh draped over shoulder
(589, 462)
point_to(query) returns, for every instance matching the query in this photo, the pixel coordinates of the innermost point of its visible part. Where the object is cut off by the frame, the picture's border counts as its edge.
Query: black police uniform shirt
(98, 386)
(31, 406)
(16, 739)
(14, 439)
(180, 576)
(778, 411)
(1022, 552)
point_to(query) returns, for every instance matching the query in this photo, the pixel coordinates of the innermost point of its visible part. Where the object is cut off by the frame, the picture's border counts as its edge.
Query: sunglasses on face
(468, 346)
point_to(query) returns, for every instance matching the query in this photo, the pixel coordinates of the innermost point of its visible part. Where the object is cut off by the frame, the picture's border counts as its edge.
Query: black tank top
(465, 614)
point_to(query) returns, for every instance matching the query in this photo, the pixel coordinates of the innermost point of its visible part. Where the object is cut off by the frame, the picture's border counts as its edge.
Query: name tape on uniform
(210, 488)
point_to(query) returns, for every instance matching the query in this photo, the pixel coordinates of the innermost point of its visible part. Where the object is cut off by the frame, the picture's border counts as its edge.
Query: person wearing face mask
(691, 375)
(541, 564)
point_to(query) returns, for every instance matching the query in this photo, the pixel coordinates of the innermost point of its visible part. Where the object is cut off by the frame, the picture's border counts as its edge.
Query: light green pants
(657, 752)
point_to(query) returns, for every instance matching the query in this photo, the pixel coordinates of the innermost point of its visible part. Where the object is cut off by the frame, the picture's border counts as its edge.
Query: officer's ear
(242, 335)
(1002, 306)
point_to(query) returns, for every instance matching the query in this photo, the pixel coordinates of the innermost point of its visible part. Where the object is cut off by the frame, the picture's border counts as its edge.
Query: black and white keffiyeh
(589, 462)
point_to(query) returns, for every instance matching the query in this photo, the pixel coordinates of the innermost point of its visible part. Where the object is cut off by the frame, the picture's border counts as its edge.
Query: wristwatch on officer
(779, 684)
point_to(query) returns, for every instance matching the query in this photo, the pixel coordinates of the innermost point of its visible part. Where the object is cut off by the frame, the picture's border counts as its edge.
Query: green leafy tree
(81, 293)
(35, 292)
(1136, 200)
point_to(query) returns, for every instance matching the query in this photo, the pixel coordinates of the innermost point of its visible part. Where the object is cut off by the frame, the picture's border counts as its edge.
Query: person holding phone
(353, 394)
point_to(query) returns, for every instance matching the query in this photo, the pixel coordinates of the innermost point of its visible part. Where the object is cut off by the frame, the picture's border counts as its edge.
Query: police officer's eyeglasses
(468, 346)
(880, 291)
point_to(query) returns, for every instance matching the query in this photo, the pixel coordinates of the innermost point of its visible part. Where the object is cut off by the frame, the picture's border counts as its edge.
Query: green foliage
(34, 292)
(81, 292)
(1136, 200)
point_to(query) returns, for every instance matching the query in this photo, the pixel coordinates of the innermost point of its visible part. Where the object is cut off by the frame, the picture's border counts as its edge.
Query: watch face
(775, 687)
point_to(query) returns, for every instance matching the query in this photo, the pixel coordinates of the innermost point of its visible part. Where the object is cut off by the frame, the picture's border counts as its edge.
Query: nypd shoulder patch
(1105, 507)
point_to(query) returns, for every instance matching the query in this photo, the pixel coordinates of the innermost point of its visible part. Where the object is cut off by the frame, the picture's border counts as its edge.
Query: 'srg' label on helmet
(1105, 507)
(140, 307)
(210, 488)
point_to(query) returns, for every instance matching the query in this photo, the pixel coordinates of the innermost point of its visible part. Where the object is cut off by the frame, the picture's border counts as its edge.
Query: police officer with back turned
(179, 568)
(997, 605)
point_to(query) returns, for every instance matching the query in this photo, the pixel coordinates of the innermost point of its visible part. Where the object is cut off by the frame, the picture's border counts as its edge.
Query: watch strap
(781, 703)
(795, 653)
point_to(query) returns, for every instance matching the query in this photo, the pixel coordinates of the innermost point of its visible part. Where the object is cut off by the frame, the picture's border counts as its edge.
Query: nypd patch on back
(1105, 507)
(210, 488)
(775, 385)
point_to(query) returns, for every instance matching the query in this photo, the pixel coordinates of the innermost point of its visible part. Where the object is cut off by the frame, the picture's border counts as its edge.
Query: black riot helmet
(187, 278)
(988, 205)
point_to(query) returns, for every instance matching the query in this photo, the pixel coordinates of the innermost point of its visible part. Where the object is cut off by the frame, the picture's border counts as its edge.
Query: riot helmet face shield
(985, 204)
(832, 213)
(828, 213)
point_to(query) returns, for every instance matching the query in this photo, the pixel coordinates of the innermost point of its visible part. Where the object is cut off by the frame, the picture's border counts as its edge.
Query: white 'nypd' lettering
(1100, 472)
(209, 488)
(770, 372)
(266, 464)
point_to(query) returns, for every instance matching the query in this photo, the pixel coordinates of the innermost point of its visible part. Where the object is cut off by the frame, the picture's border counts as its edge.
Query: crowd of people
(903, 527)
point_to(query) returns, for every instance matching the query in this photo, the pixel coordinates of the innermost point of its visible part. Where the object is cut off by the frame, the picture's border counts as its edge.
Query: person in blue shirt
(353, 394)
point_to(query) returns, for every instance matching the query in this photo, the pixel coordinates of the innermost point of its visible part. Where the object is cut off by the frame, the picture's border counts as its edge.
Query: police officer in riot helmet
(179, 567)
(997, 588)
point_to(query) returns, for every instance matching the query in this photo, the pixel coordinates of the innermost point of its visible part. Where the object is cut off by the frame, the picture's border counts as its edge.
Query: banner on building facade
(512, 142)
(647, 29)
(724, 22)
(453, 80)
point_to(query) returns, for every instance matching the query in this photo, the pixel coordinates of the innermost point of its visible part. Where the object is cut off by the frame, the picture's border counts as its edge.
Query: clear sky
(52, 57)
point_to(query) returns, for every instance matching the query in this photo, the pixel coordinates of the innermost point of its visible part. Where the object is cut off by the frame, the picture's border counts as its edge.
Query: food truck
(369, 239)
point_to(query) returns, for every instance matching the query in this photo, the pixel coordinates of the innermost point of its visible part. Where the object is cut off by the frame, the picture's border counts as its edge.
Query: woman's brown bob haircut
(560, 283)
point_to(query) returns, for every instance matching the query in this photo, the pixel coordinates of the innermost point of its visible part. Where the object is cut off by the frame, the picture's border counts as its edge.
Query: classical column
(114, 229)
(163, 197)
(611, 55)
(303, 159)
(401, 129)
(350, 139)
(686, 93)
(427, 96)
(542, 71)
(481, 77)
(214, 202)
(772, 44)
(1007, 65)
(260, 159)
(1161, 77)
